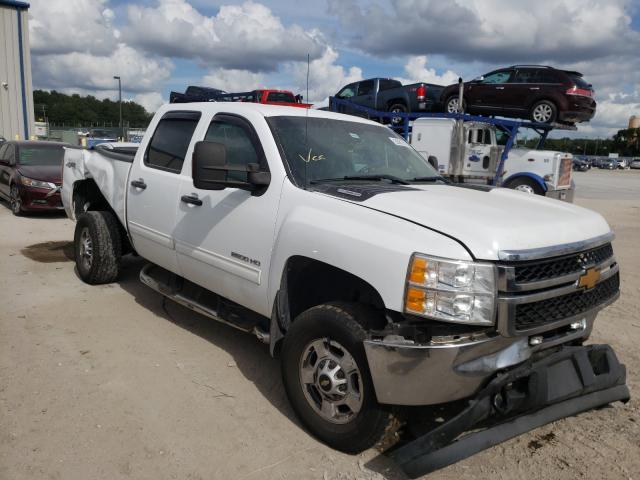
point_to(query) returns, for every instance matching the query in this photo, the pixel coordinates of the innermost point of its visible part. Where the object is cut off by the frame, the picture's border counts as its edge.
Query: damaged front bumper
(409, 373)
(558, 384)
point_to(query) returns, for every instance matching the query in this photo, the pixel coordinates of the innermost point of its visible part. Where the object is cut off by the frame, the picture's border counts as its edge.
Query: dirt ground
(111, 382)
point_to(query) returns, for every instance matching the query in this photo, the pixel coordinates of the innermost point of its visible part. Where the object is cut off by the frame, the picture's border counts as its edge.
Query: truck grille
(535, 314)
(542, 294)
(560, 266)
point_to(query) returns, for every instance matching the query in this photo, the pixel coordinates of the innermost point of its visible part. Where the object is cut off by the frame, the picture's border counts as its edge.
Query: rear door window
(526, 75)
(170, 141)
(387, 84)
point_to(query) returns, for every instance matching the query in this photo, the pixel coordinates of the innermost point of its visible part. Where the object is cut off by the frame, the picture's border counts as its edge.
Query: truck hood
(488, 222)
(46, 173)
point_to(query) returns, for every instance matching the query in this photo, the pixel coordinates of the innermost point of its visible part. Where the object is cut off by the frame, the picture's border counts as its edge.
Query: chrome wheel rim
(86, 249)
(16, 204)
(397, 120)
(331, 381)
(525, 189)
(542, 113)
(452, 105)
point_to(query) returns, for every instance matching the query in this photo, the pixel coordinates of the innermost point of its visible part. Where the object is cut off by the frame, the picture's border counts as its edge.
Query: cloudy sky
(161, 45)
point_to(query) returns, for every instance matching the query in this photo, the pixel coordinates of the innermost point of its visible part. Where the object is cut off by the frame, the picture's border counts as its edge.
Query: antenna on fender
(306, 129)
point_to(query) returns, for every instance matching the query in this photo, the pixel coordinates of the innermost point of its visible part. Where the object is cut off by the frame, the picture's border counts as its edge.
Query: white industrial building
(16, 94)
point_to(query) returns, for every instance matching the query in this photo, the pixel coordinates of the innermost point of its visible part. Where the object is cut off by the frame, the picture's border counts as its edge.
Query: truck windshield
(326, 149)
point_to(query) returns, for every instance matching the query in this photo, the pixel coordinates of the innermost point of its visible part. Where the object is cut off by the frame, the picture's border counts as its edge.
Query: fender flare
(537, 178)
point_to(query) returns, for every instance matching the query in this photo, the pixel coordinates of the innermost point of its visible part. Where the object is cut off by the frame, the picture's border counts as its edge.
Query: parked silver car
(635, 163)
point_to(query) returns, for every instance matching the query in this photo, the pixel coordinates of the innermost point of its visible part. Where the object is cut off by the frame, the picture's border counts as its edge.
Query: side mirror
(210, 169)
(433, 161)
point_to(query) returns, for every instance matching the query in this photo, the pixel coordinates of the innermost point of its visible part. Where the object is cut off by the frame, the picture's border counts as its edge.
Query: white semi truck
(378, 283)
(541, 172)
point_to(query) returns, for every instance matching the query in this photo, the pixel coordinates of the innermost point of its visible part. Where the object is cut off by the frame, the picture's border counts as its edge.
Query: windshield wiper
(428, 179)
(391, 178)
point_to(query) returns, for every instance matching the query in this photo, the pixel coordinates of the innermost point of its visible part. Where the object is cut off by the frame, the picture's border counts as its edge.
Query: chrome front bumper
(407, 373)
(565, 195)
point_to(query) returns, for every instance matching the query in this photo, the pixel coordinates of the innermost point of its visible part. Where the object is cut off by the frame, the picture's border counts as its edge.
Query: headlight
(30, 182)
(451, 290)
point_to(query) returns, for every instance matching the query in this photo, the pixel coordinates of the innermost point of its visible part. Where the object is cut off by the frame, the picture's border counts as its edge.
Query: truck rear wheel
(326, 377)
(98, 247)
(397, 108)
(544, 111)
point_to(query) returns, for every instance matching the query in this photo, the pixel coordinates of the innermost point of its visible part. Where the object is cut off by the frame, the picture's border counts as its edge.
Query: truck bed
(108, 165)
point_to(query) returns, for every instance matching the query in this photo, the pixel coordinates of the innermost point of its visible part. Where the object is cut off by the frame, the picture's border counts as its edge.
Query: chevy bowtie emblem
(589, 279)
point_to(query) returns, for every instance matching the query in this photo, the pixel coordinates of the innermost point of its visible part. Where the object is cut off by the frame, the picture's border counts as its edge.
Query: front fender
(537, 178)
(369, 244)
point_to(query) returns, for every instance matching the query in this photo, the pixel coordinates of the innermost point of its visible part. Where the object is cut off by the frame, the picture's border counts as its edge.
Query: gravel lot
(111, 382)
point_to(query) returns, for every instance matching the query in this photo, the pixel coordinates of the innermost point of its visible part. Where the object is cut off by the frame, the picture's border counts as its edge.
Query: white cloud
(151, 101)
(245, 37)
(95, 72)
(417, 71)
(502, 31)
(64, 26)
(325, 77)
(234, 80)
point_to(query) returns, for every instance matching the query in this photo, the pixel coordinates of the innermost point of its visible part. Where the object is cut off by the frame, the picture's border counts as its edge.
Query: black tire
(527, 185)
(344, 323)
(397, 108)
(449, 104)
(103, 231)
(15, 202)
(544, 111)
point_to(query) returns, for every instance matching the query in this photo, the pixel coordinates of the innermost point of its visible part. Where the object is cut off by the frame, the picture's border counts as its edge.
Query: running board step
(204, 302)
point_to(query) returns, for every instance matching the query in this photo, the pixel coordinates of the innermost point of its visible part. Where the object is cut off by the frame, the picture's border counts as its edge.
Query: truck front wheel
(326, 377)
(527, 185)
(98, 247)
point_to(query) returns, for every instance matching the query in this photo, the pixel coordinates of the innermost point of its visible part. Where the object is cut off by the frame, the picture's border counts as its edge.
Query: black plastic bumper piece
(564, 383)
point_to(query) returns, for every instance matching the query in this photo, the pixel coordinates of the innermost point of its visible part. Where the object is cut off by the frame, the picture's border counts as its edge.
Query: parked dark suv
(539, 93)
(31, 175)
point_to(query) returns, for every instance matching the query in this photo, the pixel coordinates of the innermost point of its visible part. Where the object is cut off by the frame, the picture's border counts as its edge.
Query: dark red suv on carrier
(539, 93)
(31, 175)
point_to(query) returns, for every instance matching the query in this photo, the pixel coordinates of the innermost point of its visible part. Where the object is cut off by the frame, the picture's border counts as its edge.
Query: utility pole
(120, 103)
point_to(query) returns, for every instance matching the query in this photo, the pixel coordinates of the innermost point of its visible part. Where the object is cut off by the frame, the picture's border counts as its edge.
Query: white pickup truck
(542, 172)
(376, 282)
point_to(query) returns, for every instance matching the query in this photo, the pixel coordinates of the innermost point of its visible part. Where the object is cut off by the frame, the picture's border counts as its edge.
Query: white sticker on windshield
(399, 142)
(354, 135)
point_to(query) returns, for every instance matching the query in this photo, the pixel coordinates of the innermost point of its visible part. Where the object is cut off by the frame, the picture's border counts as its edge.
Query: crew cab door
(224, 238)
(491, 92)
(154, 185)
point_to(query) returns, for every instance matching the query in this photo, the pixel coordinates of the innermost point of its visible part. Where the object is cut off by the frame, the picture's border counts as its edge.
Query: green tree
(76, 110)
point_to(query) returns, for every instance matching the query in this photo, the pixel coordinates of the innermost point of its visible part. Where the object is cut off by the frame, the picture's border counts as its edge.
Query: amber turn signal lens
(418, 270)
(415, 299)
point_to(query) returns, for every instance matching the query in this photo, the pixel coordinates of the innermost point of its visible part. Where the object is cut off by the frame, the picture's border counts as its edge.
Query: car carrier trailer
(465, 156)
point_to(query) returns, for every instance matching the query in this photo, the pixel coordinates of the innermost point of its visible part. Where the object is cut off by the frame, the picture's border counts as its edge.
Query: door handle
(70, 164)
(534, 88)
(499, 88)
(192, 199)
(139, 184)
